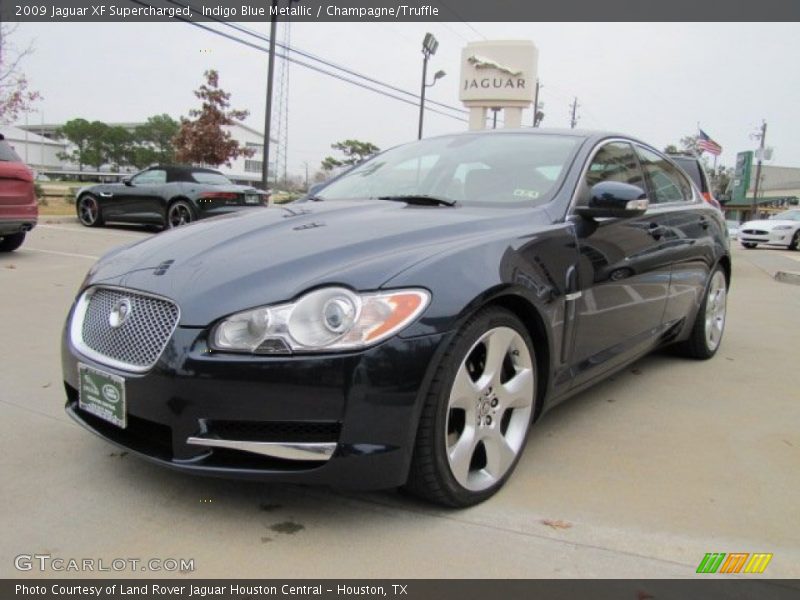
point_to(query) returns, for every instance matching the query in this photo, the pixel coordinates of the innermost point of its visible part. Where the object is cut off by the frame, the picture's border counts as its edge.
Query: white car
(782, 229)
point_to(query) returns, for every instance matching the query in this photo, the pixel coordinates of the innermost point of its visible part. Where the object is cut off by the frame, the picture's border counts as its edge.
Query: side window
(667, 183)
(615, 161)
(151, 177)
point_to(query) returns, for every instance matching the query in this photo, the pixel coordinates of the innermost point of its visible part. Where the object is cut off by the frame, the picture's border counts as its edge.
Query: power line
(315, 58)
(305, 64)
(460, 18)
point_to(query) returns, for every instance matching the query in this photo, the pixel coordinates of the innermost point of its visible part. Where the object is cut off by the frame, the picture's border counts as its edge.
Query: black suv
(694, 169)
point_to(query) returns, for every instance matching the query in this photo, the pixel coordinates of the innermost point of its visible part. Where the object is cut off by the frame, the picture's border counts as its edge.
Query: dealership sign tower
(498, 75)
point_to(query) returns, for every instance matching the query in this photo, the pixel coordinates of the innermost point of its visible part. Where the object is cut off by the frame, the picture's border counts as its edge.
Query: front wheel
(477, 413)
(89, 211)
(709, 324)
(9, 243)
(795, 245)
(748, 245)
(179, 213)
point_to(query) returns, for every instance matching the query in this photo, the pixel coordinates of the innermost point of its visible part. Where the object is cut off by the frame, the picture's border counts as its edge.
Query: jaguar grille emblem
(120, 312)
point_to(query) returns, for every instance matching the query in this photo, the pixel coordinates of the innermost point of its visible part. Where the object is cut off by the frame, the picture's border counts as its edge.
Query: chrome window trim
(79, 315)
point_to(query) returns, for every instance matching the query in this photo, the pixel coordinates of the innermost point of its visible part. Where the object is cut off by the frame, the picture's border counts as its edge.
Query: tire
(9, 243)
(748, 245)
(180, 213)
(473, 428)
(89, 212)
(709, 324)
(795, 244)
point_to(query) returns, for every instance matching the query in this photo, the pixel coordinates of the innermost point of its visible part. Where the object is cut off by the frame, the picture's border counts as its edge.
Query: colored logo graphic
(735, 562)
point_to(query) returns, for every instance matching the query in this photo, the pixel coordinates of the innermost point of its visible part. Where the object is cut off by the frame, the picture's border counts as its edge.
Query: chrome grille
(755, 231)
(137, 343)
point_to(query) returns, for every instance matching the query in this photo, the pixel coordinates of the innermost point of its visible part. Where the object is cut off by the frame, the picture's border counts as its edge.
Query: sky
(655, 81)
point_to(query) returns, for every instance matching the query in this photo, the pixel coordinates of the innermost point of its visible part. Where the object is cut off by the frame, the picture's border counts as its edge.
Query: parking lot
(637, 477)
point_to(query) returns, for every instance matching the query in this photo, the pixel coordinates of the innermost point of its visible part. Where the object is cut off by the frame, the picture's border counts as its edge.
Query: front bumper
(360, 410)
(776, 238)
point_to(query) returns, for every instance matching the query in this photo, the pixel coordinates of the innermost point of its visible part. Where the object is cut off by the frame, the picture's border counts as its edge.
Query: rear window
(692, 169)
(7, 153)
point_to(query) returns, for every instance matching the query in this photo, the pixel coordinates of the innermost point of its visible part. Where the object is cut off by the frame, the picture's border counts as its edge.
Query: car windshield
(789, 215)
(511, 169)
(210, 178)
(7, 153)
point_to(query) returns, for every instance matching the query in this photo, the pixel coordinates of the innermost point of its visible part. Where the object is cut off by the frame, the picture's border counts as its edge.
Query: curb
(788, 277)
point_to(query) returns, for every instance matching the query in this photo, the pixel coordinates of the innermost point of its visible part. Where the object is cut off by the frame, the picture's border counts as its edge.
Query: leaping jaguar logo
(481, 62)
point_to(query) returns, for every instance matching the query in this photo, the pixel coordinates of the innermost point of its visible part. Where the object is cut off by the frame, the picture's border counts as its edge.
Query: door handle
(657, 231)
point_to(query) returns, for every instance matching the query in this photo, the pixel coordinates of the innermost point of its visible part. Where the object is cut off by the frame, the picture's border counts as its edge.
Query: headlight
(332, 318)
(781, 227)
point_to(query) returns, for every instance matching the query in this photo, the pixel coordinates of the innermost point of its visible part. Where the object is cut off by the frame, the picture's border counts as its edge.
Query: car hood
(767, 225)
(251, 258)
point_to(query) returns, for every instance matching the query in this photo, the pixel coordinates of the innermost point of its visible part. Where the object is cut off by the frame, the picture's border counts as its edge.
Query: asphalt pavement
(638, 477)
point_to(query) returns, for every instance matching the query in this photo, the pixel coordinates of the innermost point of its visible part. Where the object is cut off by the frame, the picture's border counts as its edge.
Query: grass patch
(57, 208)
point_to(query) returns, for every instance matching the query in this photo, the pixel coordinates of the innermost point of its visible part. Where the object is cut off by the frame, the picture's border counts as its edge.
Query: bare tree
(15, 97)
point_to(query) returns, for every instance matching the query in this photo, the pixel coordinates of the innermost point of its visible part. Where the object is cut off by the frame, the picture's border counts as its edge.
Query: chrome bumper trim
(316, 451)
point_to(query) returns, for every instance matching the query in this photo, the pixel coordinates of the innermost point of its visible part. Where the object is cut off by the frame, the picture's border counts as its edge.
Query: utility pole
(574, 118)
(305, 164)
(760, 155)
(273, 33)
(536, 119)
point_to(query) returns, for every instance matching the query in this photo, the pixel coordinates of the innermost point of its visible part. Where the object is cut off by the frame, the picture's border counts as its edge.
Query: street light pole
(273, 32)
(429, 46)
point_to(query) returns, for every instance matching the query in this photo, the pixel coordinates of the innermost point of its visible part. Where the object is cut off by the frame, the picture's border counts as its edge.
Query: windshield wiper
(422, 199)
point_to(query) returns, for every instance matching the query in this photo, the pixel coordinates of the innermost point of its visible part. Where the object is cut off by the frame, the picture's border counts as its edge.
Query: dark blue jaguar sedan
(406, 323)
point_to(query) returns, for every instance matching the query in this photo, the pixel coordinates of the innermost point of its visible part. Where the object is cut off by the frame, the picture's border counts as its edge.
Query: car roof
(586, 134)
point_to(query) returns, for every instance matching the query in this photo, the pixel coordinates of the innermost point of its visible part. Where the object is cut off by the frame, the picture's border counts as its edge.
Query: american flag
(707, 144)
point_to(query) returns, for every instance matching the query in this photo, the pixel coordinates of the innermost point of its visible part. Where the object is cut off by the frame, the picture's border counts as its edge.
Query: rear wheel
(709, 324)
(89, 212)
(179, 213)
(9, 243)
(795, 245)
(477, 414)
(749, 245)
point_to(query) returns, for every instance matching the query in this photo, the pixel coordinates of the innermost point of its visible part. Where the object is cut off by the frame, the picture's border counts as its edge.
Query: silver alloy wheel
(489, 409)
(179, 214)
(716, 306)
(88, 210)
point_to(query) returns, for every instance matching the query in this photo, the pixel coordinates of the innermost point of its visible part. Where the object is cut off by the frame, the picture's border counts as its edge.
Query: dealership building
(778, 190)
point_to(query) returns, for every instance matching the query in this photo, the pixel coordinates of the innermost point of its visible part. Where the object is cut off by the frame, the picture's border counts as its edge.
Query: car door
(140, 199)
(697, 230)
(623, 272)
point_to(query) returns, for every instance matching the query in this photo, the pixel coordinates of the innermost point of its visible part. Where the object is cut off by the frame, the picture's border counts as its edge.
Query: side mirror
(127, 181)
(616, 200)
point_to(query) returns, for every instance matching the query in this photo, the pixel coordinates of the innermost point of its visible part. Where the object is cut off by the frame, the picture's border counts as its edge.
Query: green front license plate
(102, 394)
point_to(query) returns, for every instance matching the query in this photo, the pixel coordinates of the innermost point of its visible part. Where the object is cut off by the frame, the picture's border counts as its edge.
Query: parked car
(19, 211)
(165, 195)
(782, 229)
(405, 324)
(694, 168)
